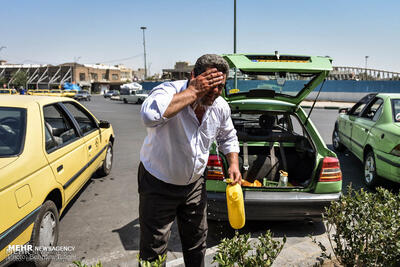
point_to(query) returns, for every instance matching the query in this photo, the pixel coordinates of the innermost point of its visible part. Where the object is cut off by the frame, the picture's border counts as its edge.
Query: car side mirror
(104, 124)
(343, 110)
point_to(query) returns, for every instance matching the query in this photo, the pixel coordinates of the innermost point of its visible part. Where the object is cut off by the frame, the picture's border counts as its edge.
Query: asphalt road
(102, 221)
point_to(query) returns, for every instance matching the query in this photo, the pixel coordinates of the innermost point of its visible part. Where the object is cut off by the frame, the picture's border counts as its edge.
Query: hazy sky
(53, 31)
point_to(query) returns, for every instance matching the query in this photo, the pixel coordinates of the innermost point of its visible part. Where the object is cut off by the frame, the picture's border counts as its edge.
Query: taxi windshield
(12, 131)
(283, 83)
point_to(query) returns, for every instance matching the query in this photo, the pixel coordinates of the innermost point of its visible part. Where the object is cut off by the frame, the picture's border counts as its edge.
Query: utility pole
(144, 48)
(234, 42)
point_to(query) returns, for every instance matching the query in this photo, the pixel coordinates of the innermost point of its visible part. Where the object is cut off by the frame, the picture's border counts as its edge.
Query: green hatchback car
(371, 131)
(276, 138)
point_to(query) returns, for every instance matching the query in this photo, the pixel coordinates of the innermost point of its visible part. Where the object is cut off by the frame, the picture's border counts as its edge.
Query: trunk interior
(271, 142)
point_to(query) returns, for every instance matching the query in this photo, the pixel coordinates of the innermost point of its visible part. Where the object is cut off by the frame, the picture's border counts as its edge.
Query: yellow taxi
(49, 148)
(70, 93)
(55, 92)
(7, 91)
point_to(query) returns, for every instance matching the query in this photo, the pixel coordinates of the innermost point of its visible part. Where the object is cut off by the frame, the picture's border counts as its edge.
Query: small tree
(20, 79)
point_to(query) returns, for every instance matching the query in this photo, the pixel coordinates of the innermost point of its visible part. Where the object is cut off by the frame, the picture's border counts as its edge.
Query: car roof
(23, 101)
(390, 95)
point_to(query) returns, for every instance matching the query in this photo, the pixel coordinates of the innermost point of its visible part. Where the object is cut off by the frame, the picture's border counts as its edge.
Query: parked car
(371, 131)
(55, 92)
(7, 91)
(133, 96)
(82, 95)
(70, 93)
(49, 148)
(108, 94)
(115, 95)
(275, 134)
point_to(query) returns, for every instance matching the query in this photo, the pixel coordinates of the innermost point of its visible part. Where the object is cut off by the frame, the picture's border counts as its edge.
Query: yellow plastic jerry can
(235, 203)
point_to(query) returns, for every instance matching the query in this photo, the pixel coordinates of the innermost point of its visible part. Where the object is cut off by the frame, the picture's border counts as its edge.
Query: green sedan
(371, 131)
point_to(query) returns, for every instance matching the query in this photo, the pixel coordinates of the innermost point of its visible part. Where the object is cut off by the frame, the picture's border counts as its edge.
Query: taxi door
(65, 149)
(91, 133)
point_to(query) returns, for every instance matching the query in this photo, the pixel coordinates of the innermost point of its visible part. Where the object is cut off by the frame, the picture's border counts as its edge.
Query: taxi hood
(288, 78)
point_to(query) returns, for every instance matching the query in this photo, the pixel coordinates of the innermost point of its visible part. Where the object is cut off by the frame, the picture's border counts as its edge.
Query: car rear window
(396, 109)
(12, 131)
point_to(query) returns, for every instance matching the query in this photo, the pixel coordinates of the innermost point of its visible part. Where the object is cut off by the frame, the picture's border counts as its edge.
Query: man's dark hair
(211, 61)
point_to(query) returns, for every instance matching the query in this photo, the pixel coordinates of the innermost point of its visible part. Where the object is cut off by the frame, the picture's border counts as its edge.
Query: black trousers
(159, 204)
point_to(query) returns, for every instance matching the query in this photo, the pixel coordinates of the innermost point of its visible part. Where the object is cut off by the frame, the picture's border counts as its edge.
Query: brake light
(396, 151)
(215, 168)
(330, 171)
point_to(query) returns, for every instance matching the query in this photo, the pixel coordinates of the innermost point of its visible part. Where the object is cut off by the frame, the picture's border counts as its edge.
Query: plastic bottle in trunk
(235, 203)
(283, 179)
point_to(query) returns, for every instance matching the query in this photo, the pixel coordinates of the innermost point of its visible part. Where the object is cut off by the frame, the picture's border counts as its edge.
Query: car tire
(125, 101)
(371, 177)
(337, 145)
(105, 168)
(45, 231)
(140, 101)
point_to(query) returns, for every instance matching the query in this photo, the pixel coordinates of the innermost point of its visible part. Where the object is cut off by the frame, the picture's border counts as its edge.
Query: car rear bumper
(271, 206)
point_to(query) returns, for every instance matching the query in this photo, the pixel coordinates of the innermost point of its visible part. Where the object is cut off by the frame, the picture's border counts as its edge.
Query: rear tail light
(330, 171)
(215, 168)
(396, 151)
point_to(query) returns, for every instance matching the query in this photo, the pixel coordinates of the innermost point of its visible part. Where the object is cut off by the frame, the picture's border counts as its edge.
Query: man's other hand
(234, 174)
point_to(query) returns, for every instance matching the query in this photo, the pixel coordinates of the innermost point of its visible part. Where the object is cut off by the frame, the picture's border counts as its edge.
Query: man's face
(209, 98)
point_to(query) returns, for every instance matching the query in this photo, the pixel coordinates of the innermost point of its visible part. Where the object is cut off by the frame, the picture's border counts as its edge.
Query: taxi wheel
(45, 232)
(105, 169)
(371, 177)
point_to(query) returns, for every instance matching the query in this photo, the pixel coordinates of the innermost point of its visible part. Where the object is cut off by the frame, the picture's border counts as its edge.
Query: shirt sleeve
(226, 137)
(154, 106)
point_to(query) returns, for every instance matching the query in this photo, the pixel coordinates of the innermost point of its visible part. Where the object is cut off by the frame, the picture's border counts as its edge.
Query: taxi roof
(23, 101)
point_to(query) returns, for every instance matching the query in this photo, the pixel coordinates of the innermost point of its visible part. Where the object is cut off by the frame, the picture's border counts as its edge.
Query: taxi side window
(373, 109)
(59, 129)
(85, 121)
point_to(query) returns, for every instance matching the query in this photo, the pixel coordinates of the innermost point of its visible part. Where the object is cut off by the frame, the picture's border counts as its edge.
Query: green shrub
(364, 228)
(80, 264)
(238, 251)
(157, 263)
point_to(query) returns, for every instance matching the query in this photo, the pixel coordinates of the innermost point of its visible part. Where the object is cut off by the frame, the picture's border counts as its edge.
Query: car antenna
(315, 100)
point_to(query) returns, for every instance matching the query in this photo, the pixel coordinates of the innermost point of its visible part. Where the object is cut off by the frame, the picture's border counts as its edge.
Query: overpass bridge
(355, 73)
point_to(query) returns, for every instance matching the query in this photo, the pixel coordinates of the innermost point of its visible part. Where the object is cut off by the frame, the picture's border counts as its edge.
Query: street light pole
(234, 41)
(366, 61)
(144, 48)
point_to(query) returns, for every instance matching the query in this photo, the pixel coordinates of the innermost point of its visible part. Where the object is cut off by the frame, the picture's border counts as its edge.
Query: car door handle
(90, 147)
(59, 168)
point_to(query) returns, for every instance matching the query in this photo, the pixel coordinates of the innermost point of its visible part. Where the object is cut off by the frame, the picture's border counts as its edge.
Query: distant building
(95, 77)
(138, 75)
(180, 72)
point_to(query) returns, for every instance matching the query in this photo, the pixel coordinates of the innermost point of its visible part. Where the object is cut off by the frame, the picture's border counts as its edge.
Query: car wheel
(140, 101)
(371, 178)
(337, 145)
(105, 169)
(45, 231)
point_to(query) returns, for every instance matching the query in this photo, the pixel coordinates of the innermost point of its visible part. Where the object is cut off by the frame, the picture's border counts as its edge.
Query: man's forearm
(178, 102)
(233, 159)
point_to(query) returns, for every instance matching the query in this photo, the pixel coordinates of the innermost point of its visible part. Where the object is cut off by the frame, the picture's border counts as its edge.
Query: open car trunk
(270, 142)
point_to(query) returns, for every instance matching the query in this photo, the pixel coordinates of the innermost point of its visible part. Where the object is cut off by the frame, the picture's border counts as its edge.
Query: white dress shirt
(176, 150)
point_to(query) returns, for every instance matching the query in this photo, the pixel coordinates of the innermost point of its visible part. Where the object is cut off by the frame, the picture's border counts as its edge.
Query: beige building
(181, 71)
(97, 78)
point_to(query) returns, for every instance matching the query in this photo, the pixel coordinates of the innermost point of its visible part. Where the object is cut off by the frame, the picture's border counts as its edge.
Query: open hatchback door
(287, 78)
